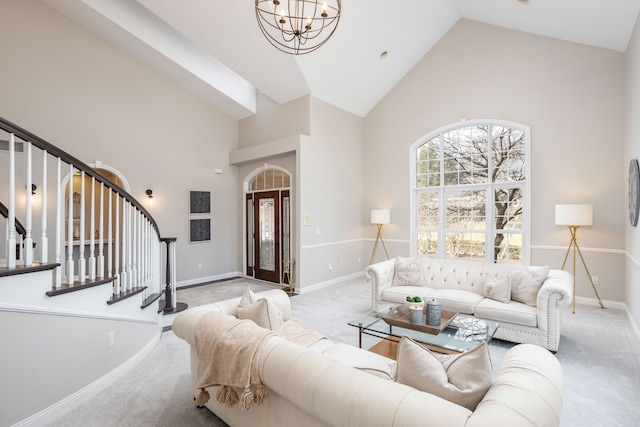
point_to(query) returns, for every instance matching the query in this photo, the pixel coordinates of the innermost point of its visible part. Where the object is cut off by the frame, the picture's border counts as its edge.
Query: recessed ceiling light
(384, 54)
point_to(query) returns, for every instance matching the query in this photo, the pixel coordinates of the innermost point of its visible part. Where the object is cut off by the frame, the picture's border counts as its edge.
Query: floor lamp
(379, 217)
(574, 216)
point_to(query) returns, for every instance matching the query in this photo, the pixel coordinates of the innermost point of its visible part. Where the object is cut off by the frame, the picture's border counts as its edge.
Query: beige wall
(75, 90)
(632, 151)
(570, 96)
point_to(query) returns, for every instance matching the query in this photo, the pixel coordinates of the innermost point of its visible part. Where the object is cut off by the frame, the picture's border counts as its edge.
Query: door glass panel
(250, 233)
(267, 234)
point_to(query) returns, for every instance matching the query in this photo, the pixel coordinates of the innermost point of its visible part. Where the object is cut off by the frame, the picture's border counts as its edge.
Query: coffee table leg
(360, 335)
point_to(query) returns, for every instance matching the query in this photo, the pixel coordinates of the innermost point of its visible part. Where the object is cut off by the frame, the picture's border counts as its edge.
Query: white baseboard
(329, 283)
(200, 280)
(46, 416)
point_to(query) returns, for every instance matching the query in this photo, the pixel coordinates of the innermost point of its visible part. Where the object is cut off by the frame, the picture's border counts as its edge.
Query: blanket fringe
(260, 394)
(227, 396)
(246, 400)
(203, 397)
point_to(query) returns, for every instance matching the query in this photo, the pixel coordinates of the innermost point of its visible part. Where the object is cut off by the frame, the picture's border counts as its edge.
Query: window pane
(465, 245)
(428, 208)
(507, 247)
(508, 154)
(428, 244)
(508, 208)
(428, 164)
(465, 210)
(267, 234)
(465, 155)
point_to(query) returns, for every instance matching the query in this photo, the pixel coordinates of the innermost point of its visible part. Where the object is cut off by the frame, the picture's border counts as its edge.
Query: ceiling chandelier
(298, 26)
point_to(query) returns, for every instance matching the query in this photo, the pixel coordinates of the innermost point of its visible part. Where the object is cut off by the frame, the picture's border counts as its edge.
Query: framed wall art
(199, 230)
(199, 202)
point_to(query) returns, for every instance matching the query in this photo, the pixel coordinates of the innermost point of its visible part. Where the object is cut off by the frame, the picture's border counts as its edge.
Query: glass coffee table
(461, 334)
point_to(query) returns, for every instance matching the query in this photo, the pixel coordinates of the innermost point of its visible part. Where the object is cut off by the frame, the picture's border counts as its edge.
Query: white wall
(570, 95)
(632, 151)
(78, 92)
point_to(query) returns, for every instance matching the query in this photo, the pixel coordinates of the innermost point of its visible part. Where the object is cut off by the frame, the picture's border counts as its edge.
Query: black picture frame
(199, 230)
(199, 202)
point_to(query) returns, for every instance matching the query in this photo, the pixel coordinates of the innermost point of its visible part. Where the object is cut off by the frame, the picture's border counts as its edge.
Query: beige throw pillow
(526, 281)
(407, 271)
(263, 313)
(497, 289)
(460, 378)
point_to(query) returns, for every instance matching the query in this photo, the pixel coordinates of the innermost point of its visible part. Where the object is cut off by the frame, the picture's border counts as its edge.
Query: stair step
(65, 289)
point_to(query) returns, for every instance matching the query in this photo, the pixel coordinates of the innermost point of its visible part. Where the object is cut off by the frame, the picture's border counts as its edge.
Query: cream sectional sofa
(524, 300)
(334, 384)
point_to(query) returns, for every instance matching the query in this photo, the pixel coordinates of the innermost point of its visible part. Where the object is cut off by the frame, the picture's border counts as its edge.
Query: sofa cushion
(514, 312)
(526, 281)
(497, 289)
(456, 300)
(364, 360)
(263, 313)
(399, 293)
(461, 378)
(448, 274)
(248, 297)
(407, 271)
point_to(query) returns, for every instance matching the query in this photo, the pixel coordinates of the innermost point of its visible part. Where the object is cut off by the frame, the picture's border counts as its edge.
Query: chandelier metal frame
(298, 27)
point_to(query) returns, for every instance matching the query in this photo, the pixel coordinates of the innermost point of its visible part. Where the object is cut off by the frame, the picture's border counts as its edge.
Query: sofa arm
(527, 391)
(381, 276)
(557, 285)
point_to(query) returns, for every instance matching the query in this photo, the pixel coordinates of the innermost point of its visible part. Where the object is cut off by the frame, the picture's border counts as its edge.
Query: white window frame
(526, 185)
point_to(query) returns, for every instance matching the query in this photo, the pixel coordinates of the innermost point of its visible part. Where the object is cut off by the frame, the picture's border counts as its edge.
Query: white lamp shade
(380, 216)
(574, 214)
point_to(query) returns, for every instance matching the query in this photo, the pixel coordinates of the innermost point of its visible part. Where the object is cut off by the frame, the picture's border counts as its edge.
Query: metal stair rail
(92, 228)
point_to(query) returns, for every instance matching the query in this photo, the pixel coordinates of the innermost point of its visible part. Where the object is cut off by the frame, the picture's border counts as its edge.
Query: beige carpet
(598, 352)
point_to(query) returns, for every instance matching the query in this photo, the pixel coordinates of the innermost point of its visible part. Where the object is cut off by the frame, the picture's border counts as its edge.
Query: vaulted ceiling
(215, 48)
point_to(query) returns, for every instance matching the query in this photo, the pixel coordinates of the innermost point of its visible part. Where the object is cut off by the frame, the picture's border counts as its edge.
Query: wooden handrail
(78, 164)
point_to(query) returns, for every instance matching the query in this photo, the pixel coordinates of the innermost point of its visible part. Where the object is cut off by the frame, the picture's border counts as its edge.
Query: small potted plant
(414, 301)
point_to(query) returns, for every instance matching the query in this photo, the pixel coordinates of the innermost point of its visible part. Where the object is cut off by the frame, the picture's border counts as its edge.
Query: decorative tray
(399, 316)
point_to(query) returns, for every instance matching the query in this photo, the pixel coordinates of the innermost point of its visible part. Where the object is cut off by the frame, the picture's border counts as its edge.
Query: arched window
(470, 192)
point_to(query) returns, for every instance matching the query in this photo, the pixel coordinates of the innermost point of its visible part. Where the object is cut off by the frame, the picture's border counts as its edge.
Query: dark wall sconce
(33, 189)
(149, 194)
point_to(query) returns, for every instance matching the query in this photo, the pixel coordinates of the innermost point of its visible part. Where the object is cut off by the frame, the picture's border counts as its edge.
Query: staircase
(81, 277)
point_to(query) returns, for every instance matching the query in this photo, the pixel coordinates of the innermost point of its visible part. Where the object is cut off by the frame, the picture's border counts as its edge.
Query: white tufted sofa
(331, 384)
(462, 286)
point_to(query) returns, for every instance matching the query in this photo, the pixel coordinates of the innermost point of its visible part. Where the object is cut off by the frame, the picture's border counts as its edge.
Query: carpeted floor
(598, 352)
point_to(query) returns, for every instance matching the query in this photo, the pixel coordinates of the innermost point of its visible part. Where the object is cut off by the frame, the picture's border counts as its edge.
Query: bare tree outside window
(470, 185)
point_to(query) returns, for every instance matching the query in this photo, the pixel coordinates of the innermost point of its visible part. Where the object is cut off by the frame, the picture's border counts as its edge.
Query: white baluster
(28, 240)
(11, 235)
(59, 225)
(82, 262)
(44, 242)
(116, 256)
(101, 235)
(136, 249)
(92, 236)
(124, 283)
(70, 228)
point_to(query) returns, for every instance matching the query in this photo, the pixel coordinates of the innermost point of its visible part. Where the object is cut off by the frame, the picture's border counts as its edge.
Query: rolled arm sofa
(329, 384)
(524, 300)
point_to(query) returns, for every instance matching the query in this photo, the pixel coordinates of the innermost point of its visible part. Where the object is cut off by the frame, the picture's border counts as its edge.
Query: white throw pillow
(526, 282)
(263, 313)
(248, 297)
(497, 289)
(460, 378)
(407, 271)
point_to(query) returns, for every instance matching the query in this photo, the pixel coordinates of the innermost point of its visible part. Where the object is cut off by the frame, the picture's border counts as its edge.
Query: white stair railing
(125, 250)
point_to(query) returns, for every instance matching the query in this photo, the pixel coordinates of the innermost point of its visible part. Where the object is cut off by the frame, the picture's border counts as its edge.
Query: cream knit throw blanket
(228, 353)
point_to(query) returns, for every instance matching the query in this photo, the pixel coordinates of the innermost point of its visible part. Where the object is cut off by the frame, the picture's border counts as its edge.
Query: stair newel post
(171, 306)
(44, 242)
(11, 235)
